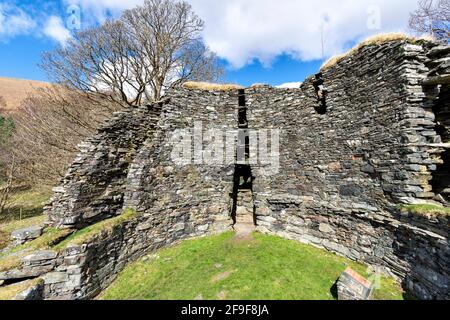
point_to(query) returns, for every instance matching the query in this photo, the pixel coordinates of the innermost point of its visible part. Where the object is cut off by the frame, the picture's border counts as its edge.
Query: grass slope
(7, 228)
(25, 204)
(222, 267)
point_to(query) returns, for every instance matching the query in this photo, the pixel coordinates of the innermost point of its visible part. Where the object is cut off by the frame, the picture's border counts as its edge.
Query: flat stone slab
(55, 277)
(27, 234)
(39, 256)
(353, 286)
(14, 274)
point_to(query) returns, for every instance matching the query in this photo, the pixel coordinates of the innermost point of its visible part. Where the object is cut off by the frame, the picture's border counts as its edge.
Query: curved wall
(342, 174)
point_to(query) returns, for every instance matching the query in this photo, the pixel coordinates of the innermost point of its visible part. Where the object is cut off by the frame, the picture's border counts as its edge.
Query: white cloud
(290, 85)
(55, 29)
(99, 10)
(14, 21)
(241, 31)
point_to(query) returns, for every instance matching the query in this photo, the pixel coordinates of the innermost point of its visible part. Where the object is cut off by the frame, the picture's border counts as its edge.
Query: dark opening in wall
(242, 182)
(441, 177)
(242, 110)
(242, 195)
(241, 96)
(321, 93)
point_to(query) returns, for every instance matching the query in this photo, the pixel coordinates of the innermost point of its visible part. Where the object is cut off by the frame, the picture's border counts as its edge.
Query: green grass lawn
(223, 267)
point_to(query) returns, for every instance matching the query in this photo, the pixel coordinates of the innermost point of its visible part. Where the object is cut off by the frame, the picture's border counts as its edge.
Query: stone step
(244, 219)
(244, 229)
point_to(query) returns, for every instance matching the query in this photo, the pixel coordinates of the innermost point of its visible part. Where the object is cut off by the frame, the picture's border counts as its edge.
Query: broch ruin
(357, 141)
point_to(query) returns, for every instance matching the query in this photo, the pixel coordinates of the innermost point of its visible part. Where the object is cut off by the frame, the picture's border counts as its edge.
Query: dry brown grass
(373, 40)
(211, 86)
(258, 85)
(14, 91)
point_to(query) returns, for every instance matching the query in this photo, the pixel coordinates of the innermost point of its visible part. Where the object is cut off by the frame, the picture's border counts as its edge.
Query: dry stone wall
(343, 172)
(94, 186)
(350, 152)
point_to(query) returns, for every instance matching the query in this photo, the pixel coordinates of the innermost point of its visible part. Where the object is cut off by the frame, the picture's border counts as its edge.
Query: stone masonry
(374, 137)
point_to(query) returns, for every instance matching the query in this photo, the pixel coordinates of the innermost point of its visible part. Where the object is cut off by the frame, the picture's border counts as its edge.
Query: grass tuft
(426, 210)
(211, 86)
(373, 40)
(219, 267)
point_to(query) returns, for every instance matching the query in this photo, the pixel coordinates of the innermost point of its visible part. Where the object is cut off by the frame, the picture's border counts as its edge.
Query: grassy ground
(222, 267)
(25, 204)
(24, 209)
(7, 228)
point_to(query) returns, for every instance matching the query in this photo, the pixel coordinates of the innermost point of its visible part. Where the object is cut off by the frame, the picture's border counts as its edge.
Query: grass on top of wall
(11, 258)
(84, 235)
(373, 40)
(56, 239)
(426, 210)
(224, 267)
(211, 86)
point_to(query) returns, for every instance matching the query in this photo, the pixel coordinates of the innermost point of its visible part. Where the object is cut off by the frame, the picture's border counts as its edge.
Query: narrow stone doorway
(243, 207)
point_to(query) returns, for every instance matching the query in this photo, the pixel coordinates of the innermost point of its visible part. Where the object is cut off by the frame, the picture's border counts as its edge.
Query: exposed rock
(39, 257)
(27, 234)
(35, 292)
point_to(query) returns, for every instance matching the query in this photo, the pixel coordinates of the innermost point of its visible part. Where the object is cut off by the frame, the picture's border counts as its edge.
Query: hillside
(14, 91)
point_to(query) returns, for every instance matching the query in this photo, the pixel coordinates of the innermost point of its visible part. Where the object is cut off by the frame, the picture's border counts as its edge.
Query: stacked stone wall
(348, 158)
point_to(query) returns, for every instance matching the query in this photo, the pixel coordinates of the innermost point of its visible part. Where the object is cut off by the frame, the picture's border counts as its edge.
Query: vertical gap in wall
(441, 176)
(243, 209)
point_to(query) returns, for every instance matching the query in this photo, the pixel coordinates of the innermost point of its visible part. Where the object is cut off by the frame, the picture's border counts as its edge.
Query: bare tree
(48, 127)
(432, 17)
(7, 170)
(132, 60)
(7, 187)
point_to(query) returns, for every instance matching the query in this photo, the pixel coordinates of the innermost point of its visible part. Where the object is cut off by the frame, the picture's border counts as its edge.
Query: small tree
(432, 17)
(134, 59)
(6, 169)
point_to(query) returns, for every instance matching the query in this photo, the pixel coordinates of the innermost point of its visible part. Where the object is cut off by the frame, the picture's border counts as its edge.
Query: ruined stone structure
(373, 136)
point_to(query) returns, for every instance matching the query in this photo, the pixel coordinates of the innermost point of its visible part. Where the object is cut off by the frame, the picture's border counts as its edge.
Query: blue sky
(259, 41)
